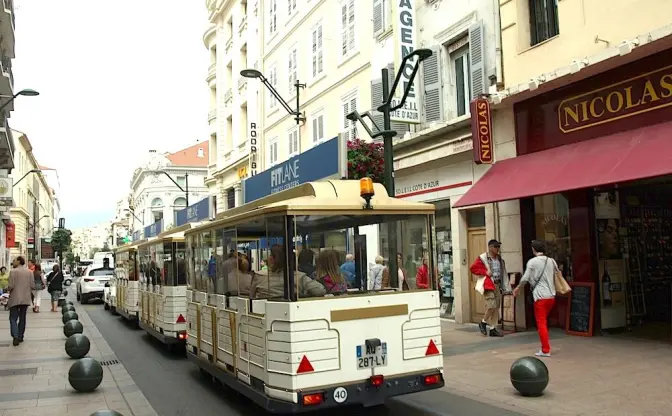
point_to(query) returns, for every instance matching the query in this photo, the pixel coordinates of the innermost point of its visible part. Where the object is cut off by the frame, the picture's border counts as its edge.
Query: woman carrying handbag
(540, 274)
(39, 288)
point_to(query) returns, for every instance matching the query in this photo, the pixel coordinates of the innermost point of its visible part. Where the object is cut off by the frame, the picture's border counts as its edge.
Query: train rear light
(431, 348)
(432, 379)
(376, 381)
(181, 320)
(86, 279)
(305, 366)
(313, 399)
(182, 336)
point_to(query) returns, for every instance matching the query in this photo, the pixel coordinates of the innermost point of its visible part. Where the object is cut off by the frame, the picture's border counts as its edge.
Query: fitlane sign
(404, 44)
(481, 131)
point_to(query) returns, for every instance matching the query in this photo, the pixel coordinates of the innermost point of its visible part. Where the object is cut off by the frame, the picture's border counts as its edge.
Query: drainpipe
(499, 70)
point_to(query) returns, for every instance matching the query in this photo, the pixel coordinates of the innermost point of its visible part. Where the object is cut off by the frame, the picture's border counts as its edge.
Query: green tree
(70, 258)
(61, 241)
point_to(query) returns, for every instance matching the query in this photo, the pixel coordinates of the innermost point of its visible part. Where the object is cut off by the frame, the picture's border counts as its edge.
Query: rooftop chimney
(200, 152)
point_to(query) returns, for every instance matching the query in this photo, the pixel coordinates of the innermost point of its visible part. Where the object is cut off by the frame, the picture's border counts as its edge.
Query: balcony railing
(228, 96)
(242, 83)
(242, 27)
(212, 115)
(228, 46)
(7, 68)
(212, 72)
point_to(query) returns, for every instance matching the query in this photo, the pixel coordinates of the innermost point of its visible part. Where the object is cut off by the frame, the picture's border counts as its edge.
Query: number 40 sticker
(340, 395)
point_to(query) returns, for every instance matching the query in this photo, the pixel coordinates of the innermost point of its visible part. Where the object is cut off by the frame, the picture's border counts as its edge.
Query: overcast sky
(115, 80)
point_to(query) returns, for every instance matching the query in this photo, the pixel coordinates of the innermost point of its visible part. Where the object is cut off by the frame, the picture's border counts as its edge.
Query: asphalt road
(175, 387)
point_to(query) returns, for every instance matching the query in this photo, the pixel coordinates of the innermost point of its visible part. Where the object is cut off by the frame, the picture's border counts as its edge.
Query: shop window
(444, 255)
(230, 198)
(543, 20)
(551, 222)
(476, 218)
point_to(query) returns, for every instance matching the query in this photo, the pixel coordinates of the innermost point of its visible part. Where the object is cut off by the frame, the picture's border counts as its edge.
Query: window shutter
(377, 100)
(315, 131)
(476, 60)
(346, 122)
(314, 49)
(351, 25)
(344, 29)
(319, 49)
(433, 88)
(400, 128)
(378, 24)
(320, 126)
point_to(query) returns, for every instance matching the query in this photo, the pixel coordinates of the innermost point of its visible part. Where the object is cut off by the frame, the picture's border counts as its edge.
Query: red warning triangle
(181, 320)
(431, 348)
(305, 366)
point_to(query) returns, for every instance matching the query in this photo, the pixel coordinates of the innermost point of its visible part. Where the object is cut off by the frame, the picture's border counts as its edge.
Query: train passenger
(241, 278)
(329, 273)
(270, 283)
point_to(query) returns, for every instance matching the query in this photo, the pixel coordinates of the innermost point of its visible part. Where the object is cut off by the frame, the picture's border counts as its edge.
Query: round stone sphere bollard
(71, 303)
(77, 346)
(106, 413)
(69, 316)
(67, 308)
(61, 302)
(85, 375)
(72, 327)
(529, 375)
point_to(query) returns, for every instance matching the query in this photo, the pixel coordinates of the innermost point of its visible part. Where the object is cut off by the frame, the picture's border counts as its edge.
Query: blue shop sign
(327, 160)
(154, 229)
(199, 211)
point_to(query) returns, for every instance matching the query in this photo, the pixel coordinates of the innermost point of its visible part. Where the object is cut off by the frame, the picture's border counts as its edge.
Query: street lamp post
(298, 116)
(25, 92)
(388, 134)
(186, 183)
(24, 176)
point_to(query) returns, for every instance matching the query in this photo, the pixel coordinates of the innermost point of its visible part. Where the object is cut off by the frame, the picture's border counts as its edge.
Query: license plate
(370, 359)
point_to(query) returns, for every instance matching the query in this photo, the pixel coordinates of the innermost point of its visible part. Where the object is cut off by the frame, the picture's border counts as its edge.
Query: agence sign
(641, 94)
(481, 131)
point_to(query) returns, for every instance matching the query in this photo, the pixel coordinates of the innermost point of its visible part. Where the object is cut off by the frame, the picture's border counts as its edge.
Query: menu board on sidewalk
(581, 309)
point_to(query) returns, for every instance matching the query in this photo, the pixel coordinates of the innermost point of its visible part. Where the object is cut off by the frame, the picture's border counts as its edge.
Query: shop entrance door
(476, 245)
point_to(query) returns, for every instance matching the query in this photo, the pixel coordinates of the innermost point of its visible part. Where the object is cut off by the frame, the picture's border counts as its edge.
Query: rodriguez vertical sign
(404, 43)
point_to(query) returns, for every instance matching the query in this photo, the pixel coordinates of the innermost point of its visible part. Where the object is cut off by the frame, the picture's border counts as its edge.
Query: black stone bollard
(67, 308)
(70, 303)
(61, 302)
(106, 413)
(77, 346)
(72, 327)
(85, 375)
(529, 375)
(69, 316)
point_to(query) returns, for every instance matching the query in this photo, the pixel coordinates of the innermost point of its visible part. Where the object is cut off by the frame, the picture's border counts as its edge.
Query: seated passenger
(240, 279)
(329, 273)
(270, 283)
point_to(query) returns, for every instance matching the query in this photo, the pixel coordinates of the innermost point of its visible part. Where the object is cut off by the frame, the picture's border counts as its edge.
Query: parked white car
(92, 284)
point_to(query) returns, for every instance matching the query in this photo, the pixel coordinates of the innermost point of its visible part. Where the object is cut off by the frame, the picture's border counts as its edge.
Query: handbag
(561, 285)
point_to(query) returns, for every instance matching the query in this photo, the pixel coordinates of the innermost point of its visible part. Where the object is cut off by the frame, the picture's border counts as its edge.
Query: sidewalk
(34, 375)
(588, 376)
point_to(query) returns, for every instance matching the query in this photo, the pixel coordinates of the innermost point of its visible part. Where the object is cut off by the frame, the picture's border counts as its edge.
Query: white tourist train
(124, 286)
(163, 286)
(269, 313)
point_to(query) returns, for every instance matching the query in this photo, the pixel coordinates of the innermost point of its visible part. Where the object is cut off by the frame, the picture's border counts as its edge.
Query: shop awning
(626, 156)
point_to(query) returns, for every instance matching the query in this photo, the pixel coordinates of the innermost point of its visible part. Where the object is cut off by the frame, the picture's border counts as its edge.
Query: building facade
(33, 214)
(120, 224)
(584, 122)
(232, 39)
(159, 187)
(88, 240)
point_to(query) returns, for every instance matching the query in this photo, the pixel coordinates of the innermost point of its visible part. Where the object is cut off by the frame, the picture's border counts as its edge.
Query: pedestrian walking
(55, 287)
(21, 284)
(40, 284)
(539, 273)
(493, 281)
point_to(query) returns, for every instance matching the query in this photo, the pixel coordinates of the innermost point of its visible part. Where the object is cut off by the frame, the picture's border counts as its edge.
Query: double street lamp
(388, 134)
(24, 176)
(25, 92)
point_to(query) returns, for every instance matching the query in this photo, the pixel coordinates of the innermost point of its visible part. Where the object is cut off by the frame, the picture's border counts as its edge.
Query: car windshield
(101, 272)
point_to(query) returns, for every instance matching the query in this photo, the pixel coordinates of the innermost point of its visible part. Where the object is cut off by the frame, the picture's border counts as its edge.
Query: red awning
(626, 156)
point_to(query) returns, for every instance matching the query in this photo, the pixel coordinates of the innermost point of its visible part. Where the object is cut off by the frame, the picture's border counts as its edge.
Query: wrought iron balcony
(228, 96)
(212, 115)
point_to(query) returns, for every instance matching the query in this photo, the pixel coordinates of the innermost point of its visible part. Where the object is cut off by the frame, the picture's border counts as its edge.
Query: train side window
(272, 281)
(191, 262)
(180, 269)
(225, 243)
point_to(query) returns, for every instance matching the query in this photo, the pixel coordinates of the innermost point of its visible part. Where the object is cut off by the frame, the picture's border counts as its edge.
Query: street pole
(186, 186)
(388, 154)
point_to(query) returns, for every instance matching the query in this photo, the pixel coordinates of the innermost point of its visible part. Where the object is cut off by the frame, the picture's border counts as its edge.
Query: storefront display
(593, 175)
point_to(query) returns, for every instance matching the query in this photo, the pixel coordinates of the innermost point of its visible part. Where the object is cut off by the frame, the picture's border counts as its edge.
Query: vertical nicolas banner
(481, 131)
(403, 25)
